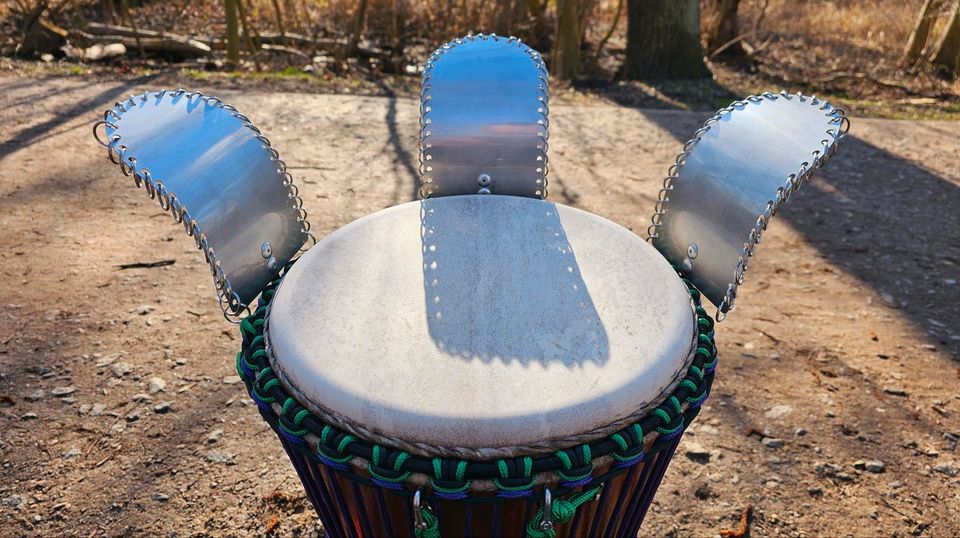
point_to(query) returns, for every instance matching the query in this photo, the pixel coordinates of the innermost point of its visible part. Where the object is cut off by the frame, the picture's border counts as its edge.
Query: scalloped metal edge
(542, 108)
(792, 183)
(228, 299)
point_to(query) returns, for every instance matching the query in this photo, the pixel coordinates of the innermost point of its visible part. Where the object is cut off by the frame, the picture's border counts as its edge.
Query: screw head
(266, 250)
(484, 180)
(483, 191)
(693, 251)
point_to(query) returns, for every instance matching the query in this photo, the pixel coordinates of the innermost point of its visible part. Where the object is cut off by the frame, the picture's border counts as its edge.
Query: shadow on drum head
(502, 282)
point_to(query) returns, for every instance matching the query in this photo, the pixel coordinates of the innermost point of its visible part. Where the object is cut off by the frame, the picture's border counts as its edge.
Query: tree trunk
(566, 48)
(663, 40)
(233, 34)
(921, 30)
(507, 15)
(359, 21)
(946, 55)
(720, 28)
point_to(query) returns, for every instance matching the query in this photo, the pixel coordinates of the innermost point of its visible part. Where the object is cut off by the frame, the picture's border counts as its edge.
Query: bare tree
(946, 54)
(565, 59)
(663, 40)
(921, 30)
(233, 33)
(721, 30)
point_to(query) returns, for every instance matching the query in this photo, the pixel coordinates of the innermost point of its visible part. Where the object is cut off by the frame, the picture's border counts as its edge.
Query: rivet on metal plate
(483, 191)
(266, 250)
(687, 264)
(692, 251)
(484, 180)
(272, 264)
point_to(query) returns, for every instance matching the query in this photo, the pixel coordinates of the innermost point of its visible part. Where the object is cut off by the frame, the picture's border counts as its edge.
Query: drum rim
(429, 450)
(509, 476)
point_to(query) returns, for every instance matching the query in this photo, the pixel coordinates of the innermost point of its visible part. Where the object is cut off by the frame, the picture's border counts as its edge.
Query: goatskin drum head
(481, 322)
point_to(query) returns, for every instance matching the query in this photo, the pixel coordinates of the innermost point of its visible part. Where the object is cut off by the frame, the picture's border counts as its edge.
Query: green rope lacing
(561, 511)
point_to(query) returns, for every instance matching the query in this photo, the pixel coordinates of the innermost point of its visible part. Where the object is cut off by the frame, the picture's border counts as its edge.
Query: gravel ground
(837, 404)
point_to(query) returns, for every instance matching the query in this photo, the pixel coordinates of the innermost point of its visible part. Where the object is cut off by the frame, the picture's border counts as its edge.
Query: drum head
(481, 324)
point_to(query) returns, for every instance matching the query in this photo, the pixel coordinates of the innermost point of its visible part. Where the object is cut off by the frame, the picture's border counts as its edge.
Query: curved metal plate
(741, 166)
(483, 123)
(214, 171)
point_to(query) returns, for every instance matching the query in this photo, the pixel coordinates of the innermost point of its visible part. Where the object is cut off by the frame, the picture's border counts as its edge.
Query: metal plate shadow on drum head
(731, 178)
(218, 175)
(481, 326)
(484, 119)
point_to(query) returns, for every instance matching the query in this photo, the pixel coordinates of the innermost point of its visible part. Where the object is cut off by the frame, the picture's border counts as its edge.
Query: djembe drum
(481, 362)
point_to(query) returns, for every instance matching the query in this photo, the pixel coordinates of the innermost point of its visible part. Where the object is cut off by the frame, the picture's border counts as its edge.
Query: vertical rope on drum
(384, 514)
(301, 466)
(624, 488)
(660, 469)
(341, 503)
(362, 506)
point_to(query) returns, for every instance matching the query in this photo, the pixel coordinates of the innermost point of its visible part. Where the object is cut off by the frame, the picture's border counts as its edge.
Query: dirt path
(845, 343)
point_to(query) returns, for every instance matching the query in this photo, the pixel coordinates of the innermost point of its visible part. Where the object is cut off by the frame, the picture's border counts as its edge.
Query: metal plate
(741, 166)
(484, 119)
(213, 170)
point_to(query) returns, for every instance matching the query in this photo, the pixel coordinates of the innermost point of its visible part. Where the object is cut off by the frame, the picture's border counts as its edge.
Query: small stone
(133, 417)
(156, 384)
(29, 416)
(946, 469)
(72, 453)
(889, 300)
(800, 432)
(895, 391)
(162, 408)
(63, 391)
(874, 466)
(708, 429)
(830, 414)
(214, 436)
(141, 397)
(815, 491)
(896, 484)
(85, 409)
(161, 497)
(97, 409)
(778, 411)
(231, 380)
(696, 452)
(13, 501)
(145, 309)
(34, 396)
(120, 369)
(772, 442)
(180, 362)
(36, 518)
(220, 457)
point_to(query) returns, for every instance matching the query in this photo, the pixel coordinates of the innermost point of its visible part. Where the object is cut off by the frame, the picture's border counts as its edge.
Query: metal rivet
(484, 180)
(266, 250)
(692, 251)
(483, 191)
(687, 264)
(272, 264)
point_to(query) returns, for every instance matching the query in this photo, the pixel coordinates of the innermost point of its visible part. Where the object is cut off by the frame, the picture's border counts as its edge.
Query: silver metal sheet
(484, 119)
(213, 170)
(741, 166)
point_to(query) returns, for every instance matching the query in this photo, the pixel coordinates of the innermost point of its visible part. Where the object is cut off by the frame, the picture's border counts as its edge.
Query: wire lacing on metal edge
(791, 185)
(233, 308)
